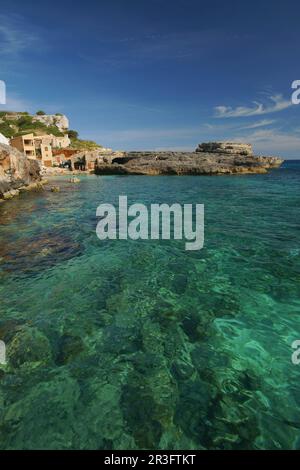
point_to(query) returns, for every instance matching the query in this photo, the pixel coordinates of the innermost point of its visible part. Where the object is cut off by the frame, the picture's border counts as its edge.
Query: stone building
(40, 147)
(34, 147)
(25, 144)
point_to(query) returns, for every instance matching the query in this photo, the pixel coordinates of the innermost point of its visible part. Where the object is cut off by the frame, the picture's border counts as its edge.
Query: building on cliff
(40, 147)
(25, 144)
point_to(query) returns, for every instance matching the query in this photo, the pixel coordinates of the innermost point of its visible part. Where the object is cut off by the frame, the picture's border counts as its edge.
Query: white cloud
(272, 141)
(14, 37)
(277, 103)
(263, 123)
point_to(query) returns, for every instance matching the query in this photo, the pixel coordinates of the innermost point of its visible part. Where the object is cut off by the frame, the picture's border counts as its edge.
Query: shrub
(6, 130)
(73, 134)
(84, 144)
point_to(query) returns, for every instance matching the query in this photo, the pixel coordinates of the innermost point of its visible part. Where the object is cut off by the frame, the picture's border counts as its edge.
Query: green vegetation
(73, 134)
(84, 144)
(7, 130)
(23, 123)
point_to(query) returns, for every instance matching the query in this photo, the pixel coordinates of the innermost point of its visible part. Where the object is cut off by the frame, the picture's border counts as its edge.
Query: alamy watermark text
(136, 222)
(2, 92)
(2, 352)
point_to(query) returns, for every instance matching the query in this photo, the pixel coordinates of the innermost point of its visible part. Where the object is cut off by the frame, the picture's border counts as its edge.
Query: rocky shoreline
(17, 173)
(187, 163)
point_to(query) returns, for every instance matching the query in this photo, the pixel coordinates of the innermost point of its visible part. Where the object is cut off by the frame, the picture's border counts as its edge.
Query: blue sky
(158, 74)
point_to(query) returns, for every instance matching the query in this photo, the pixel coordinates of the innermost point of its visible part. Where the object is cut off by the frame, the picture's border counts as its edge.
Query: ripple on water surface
(125, 345)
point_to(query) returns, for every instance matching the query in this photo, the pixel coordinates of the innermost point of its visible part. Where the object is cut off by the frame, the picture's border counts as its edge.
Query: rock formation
(17, 172)
(237, 148)
(60, 121)
(222, 158)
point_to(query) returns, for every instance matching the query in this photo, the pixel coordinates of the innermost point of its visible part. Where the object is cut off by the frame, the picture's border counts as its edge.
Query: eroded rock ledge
(17, 173)
(222, 158)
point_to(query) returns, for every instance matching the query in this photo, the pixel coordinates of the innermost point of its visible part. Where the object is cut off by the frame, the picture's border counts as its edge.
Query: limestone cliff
(60, 121)
(16, 171)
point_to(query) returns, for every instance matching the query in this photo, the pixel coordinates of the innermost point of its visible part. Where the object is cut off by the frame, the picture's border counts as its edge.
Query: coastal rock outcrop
(237, 148)
(218, 160)
(16, 171)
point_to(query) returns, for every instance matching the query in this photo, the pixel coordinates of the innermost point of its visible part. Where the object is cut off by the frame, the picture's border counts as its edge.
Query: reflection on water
(125, 345)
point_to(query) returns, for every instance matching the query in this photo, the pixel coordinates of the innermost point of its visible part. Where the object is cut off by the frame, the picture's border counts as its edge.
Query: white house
(3, 140)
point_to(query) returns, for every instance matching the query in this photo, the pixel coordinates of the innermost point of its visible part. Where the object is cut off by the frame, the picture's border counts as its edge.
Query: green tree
(24, 122)
(40, 113)
(73, 134)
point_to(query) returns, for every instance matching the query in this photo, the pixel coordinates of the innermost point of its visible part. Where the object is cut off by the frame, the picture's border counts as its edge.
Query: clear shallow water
(124, 345)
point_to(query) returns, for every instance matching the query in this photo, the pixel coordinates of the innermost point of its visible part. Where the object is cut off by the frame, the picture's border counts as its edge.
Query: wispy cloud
(262, 123)
(273, 141)
(132, 135)
(14, 37)
(276, 103)
(154, 47)
(150, 138)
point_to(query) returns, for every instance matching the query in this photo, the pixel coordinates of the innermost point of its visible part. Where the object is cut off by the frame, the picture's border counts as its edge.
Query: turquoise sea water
(141, 344)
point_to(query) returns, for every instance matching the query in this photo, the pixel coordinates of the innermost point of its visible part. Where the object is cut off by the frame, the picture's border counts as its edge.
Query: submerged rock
(183, 369)
(28, 345)
(8, 328)
(138, 406)
(70, 346)
(43, 417)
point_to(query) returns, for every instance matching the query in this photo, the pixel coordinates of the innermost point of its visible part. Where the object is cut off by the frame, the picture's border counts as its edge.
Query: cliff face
(16, 171)
(187, 163)
(61, 122)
